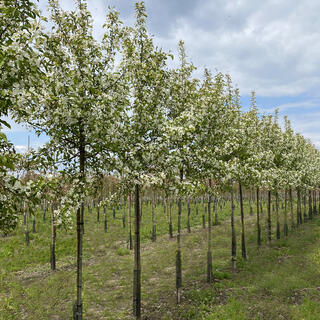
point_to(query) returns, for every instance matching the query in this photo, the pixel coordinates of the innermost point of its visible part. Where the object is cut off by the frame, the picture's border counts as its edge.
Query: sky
(270, 46)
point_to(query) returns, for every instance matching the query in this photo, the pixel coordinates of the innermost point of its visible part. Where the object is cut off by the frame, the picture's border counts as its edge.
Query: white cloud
(21, 148)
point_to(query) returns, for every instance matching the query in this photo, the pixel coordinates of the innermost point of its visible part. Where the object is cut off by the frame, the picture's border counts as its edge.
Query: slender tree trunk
(178, 254)
(314, 196)
(105, 218)
(291, 208)
(33, 224)
(305, 217)
(209, 253)
(26, 223)
(277, 215)
(250, 203)
(141, 203)
(188, 215)
(299, 216)
(129, 222)
(124, 214)
(310, 205)
(285, 227)
(216, 222)
(80, 231)
(53, 240)
(170, 219)
(137, 260)
(98, 214)
(203, 214)
(258, 220)
(44, 210)
(269, 216)
(233, 234)
(154, 232)
(243, 239)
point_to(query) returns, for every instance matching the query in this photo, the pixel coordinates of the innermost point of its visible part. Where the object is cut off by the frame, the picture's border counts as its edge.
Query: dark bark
(178, 254)
(53, 241)
(277, 215)
(44, 210)
(98, 214)
(285, 227)
(188, 216)
(129, 222)
(299, 216)
(80, 230)
(170, 219)
(305, 217)
(33, 224)
(216, 222)
(233, 234)
(124, 214)
(258, 219)
(243, 239)
(310, 205)
(209, 253)
(137, 259)
(105, 219)
(269, 217)
(204, 212)
(291, 208)
(154, 233)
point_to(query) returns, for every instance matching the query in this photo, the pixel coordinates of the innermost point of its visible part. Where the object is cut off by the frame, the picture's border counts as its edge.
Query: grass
(280, 281)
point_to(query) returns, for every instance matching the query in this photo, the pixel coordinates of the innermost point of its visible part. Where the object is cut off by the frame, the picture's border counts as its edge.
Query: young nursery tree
(78, 102)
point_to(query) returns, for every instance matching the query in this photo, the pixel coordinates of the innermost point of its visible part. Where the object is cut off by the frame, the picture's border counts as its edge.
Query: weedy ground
(279, 281)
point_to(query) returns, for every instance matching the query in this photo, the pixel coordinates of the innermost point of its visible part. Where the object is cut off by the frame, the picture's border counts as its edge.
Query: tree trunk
(269, 217)
(216, 222)
(33, 224)
(310, 205)
(250, 203)
(98, 214)
(80, 230)
(137, 260)
(277, 215)
(285, 227)
(154, 233)
(233, 234)
(170, 219)
(53, 240)
(178, 254)
(44, 210)
(243, 239)
(209, 253)
(291, 208)
(124, 214)
(203, 214)
(26, 223)
(299, 216)
(258, 220)
(105, 218)
(129, 222)
(188, 215)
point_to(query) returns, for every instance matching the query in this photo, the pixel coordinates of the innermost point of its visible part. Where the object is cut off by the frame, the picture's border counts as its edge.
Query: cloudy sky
(269, 46)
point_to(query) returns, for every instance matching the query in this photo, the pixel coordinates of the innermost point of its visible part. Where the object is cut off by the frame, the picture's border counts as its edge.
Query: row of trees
(116, 106)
